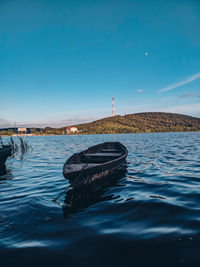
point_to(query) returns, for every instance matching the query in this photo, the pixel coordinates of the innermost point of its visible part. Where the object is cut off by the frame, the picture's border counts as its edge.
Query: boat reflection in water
(79, 199)
(2, 169)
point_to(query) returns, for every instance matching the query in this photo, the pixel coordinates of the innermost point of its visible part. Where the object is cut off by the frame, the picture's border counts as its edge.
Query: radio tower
(113, 106)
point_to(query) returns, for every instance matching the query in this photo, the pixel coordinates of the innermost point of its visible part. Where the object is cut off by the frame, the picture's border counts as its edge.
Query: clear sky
(62, 61)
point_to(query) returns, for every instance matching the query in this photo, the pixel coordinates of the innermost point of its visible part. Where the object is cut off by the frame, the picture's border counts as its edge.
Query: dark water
(149, 216)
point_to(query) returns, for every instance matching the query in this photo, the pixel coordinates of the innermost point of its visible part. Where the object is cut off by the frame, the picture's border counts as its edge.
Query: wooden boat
(94, 163)
(5, 152)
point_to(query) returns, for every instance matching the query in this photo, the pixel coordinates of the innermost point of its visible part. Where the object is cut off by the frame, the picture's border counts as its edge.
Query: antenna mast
(113, 106)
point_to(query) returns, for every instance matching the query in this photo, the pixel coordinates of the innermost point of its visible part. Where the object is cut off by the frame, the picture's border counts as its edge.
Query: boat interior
(98, 154)
(94, 156)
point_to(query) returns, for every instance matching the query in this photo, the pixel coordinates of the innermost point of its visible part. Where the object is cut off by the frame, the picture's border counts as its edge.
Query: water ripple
(148, 215)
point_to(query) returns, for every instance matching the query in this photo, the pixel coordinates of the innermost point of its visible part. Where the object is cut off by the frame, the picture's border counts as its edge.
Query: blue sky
(62, 61)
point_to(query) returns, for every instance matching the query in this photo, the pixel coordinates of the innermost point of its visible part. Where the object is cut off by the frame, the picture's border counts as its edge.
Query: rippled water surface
(148, 216)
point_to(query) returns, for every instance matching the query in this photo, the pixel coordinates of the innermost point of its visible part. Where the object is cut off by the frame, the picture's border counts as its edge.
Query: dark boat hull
(93, 174)
(89, 175)
(5, 152)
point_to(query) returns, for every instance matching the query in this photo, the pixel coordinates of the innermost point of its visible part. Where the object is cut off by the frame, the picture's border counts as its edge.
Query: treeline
(33, 131)
(141, 123)
(148, 122)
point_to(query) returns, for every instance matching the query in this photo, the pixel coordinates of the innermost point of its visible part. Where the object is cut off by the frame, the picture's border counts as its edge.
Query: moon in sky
(146, 54)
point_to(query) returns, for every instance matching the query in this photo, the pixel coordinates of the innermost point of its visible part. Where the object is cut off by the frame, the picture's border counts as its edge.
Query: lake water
(148, 216)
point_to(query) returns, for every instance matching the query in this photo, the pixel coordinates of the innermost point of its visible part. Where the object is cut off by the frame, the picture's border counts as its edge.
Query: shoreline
(20, 135)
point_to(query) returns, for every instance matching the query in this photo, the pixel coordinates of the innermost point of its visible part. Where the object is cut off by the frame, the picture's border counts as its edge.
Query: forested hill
(141, 122)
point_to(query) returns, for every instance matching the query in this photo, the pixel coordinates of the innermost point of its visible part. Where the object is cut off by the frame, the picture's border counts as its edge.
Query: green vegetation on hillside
(142, 123)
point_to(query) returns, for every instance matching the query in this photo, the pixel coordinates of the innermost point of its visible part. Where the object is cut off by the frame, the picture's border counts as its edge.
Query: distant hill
(141, 123)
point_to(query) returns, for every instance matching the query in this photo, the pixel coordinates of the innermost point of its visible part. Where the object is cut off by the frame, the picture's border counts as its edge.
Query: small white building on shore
(22, 130)
(71, 130)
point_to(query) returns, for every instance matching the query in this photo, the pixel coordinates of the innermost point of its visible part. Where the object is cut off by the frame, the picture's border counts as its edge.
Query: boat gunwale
(100, 164)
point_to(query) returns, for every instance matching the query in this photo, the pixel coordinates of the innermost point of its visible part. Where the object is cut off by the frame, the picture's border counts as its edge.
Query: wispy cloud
(139, 91)
(50, 123)
(5, 123)
(186, 95)
(181, 83)
(187, 109)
